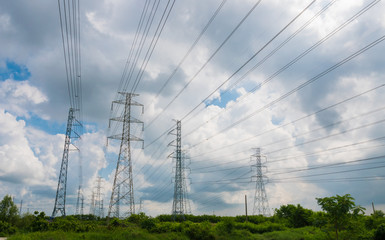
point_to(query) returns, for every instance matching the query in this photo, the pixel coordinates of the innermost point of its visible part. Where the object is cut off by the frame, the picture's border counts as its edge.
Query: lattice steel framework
(180, 191)
(60, 200)
(123, 187)
(261, 204)
(99, 211)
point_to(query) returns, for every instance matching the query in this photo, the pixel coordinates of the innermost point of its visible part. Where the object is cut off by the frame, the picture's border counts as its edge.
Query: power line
(304, 84)
(207, 62)
(318, 43)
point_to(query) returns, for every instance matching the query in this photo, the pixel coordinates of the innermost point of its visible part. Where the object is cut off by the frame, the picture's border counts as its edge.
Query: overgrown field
(341, 219)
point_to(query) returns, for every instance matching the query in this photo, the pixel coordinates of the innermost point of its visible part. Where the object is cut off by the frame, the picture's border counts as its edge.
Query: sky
(302, 80)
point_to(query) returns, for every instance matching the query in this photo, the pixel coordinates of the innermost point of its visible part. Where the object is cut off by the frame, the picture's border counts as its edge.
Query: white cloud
(108, 28)
(18, 161)
(19, 97)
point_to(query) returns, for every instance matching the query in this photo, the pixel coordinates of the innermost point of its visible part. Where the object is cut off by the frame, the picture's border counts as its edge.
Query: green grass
(306, 233)
(108, 235)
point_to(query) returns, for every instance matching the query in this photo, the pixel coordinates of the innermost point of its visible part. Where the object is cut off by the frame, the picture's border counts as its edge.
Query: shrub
(148, 223)
(225, 227)
(8, 210)
(198, 231)
(296, 216)
(6, 229)
(260, 228)
(166, 227)
(380, 232)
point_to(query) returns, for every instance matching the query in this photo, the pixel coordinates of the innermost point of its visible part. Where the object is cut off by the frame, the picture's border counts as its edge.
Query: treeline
(340, 219)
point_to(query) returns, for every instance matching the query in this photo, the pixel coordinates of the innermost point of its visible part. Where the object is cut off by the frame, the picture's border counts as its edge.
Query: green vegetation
(341, 219)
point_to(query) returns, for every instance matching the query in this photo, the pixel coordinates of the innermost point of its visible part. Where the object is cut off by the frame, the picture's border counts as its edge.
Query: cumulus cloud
(20, 97)
(219, 137)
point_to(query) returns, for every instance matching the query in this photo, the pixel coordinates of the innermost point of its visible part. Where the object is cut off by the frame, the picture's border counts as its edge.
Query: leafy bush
(148, 223)
(8, 210)
(6, 229)
(165, 227)
(380, 232)
(225, 227)
(260, 228)
(198, 231)
(296, 216)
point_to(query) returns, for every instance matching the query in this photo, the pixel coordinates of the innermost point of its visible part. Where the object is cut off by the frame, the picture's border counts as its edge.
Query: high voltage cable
(126, 77)
(313, 140)
(191, 48)
(249, 60)
(303, 155)
(142, 42)
(294, 121)
(328, 149)
(129, 58)
(205, 64)
(152, 46)
(315, 78)
(365, 9)
(344, 180)
(139, 27)
(328, 165)
(328, 136)
(70, 32)
(327, 126)
(331, 173)
(184, 58)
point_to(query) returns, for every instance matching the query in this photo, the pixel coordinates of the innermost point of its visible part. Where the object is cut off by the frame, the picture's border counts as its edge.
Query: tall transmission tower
(261, 204)
(92, 206)
(179, 201)
(79, 205)
(123, 187)
(99, 211)
(186, 162)
(69, 14)
(61, 191)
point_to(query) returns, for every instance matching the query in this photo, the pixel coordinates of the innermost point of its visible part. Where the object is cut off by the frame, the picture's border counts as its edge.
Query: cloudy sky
(302, 80)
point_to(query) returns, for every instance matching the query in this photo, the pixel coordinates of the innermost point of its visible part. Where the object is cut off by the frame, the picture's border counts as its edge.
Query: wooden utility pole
(246, 206)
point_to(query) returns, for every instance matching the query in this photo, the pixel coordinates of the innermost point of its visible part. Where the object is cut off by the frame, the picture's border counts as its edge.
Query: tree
(339, 209)
(297, 216)
(8, 210)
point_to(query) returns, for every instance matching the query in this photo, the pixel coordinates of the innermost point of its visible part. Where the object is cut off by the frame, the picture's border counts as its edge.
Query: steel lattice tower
(60, 200)
(79, 206)
(261, 204)
(92, 206)
(179, 201)
(123, 187)
(98, 199)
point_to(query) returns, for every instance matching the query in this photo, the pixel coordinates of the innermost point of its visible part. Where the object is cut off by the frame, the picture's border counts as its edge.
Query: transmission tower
(186, 162)
(140, 206)
(92, 206)
(123, 187)
(179, 201)
(60, 199)
(79, 206)
(98, 199)
(261, 204)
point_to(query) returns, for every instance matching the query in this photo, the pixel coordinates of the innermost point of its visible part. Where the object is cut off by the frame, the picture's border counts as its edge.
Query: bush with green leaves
(166, 227)
(198, 231)
(226, 226)
(379, 234)
(295, 216)
(340, 210)
(8, 210)
(6, 229)
(260, 228)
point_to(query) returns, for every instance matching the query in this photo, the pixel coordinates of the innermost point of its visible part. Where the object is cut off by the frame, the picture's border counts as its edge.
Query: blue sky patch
(14, 71)
(50, 127)
(224, 99)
